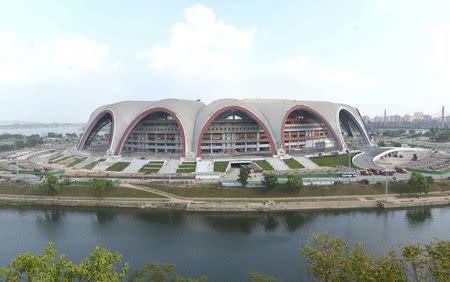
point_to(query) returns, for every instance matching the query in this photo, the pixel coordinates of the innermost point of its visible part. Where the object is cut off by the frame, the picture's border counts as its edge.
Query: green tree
(419, 183)
(294, 182)
(51, 184)
(381, 144)
(270, 181)
(331, 259)
(259, 277)
(397, 144)
(45, 267)
(152, 272)
(101, 186)
(102, 265)
(244, 175)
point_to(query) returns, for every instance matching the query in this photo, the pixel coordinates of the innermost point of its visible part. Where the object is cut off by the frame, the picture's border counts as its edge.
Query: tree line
(52, 185)
(293, 183)
(20, 141)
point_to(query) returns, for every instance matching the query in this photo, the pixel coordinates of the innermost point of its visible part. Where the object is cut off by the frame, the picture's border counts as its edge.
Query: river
(225, 247)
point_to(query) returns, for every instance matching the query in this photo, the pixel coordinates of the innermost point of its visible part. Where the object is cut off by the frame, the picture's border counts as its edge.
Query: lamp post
(349, 162)
(386, 187)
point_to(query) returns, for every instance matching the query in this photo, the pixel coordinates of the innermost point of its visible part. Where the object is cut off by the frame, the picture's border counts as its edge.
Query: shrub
(294, 182)
(270, 181)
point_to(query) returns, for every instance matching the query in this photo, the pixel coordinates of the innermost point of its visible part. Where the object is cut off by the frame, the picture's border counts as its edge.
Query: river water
(225, 247)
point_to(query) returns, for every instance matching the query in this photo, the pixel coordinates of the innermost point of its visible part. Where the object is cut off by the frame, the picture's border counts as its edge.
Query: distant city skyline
(61, 60)
(412, 116)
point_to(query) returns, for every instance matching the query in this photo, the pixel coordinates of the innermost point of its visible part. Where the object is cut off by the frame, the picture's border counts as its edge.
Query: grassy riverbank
(74, 191)
(213, 191)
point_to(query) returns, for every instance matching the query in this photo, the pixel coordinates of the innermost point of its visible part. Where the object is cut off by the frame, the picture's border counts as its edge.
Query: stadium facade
(225, 127)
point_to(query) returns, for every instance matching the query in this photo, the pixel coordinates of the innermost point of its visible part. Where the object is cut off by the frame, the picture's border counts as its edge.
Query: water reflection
(294, 221)
(173, 218)
(105, 216)
(50, 215)
(417, 217)
(232, 223)
(271, 223)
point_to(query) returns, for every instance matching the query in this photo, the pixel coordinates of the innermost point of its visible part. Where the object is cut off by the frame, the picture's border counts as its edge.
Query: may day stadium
(175, 128)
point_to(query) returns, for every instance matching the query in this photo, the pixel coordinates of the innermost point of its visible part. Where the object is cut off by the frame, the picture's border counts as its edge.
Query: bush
(419, 183)
(101, 186)
(270, 181)
(381, 144)
(294, 182)
(51, 185)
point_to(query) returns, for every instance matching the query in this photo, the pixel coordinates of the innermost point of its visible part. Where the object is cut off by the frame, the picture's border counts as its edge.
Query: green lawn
(92, 165)
(151, 167)
(312, 175)
(187, 167)
(293, 164)
(213, 191)
(75, 162)
(118, 166)
(58, 160)
(336, 160)
(220, 166)
(75, 191)
(55, 157)
(263, 164)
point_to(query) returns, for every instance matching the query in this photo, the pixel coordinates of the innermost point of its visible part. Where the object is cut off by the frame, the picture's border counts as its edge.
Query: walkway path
(204, 166)
(307, 163)
(135, 166)
(277, 164)
(170, 166)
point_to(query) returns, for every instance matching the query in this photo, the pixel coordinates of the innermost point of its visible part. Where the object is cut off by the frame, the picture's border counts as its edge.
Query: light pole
(348, 153)
(386, 187)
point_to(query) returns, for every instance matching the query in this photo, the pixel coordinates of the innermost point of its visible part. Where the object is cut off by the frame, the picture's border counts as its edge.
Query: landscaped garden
(152, 167)
(75, 162)
(57, 160)
(293, 164)
(263, 164)
(118, 166)
(220, 166)
(187, 167)
(92, 164)
(335, 160)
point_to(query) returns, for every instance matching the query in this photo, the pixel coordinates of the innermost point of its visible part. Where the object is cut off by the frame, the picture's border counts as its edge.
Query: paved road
(365, 159)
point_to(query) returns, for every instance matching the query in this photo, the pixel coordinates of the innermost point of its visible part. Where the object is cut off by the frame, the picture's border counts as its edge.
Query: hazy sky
(59, 60)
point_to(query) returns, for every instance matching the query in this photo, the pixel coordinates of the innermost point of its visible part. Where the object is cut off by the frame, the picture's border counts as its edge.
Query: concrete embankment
(228, 205)
(156, 203)
(272, 206)
(416, 202)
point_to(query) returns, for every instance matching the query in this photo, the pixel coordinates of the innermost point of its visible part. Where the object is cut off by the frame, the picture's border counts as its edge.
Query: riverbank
(231, 205)
(210, 198)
